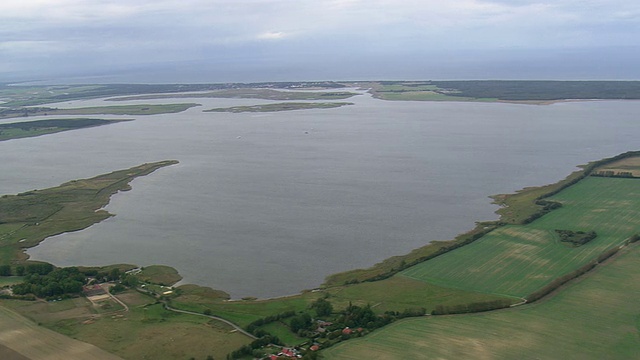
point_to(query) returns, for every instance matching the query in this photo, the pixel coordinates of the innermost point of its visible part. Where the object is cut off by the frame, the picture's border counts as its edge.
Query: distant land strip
(286, 106)
(142, 109)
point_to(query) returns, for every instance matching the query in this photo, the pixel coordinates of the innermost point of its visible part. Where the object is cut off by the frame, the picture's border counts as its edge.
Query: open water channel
(269, 204)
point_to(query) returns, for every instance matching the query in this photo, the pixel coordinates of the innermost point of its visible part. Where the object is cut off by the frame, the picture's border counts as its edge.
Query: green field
(516, 260)
(242, 312)
(287, 106)
(597, 317)
(10, 280)
(399, 293)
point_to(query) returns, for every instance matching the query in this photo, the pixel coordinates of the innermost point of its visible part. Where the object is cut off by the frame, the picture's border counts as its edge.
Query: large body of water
(270, 204)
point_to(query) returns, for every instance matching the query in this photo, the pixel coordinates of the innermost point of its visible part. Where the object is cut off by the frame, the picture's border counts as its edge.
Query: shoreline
(392, 265)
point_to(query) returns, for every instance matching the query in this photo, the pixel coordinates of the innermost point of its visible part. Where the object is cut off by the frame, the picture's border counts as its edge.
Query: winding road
(239, 329)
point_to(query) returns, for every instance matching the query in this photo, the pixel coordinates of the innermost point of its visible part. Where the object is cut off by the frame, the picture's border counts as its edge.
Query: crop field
(516, 260)
(24, 337)
(594, 318)
(400, 292)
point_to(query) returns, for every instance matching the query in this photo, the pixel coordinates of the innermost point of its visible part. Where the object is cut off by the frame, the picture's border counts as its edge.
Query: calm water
(269, 204)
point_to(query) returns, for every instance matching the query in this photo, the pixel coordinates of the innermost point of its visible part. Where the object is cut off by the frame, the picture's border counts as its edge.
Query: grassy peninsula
(28, 218)
(286, 106)
(43, 127)
(142, 109)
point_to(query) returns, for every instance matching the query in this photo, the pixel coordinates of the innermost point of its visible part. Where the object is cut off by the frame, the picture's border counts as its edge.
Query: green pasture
(516, 260)
(283, 332)
(243, 312)
(594, 318)
(159, 274)
(10, 280)
(400, 292)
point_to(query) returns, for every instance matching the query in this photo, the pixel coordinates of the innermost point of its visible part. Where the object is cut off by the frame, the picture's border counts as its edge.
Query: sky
(280, 40)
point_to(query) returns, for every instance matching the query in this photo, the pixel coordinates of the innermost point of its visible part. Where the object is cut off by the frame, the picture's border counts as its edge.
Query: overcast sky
(261, 40)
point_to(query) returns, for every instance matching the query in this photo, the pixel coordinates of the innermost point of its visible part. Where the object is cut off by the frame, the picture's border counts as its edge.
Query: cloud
(271, 35)
(118, 31)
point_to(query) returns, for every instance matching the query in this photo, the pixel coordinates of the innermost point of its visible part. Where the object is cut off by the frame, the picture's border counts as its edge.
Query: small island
(285, 106)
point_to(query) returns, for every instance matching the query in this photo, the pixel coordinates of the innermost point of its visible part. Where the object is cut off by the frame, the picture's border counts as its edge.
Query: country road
(239, 329)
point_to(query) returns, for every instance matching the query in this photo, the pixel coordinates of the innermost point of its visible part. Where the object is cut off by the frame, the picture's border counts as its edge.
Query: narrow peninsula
(285, 106)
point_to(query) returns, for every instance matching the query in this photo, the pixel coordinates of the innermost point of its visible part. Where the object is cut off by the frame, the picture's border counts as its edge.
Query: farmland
(21, 338)
(594, 318)
(516, 260)
(146, 331)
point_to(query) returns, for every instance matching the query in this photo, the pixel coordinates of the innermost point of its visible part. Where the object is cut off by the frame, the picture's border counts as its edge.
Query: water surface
(269, 204)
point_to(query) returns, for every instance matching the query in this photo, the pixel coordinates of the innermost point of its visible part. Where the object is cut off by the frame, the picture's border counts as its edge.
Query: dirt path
(106, 288)
(238, 328)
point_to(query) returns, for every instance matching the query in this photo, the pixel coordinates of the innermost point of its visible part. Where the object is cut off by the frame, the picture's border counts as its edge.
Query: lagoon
(268, 204)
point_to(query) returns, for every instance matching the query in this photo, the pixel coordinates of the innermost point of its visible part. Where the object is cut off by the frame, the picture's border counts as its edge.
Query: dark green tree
(323, 307)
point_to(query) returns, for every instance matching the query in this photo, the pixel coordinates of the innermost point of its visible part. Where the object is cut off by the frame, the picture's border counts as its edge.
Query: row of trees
(611, 173)
(22, 270)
